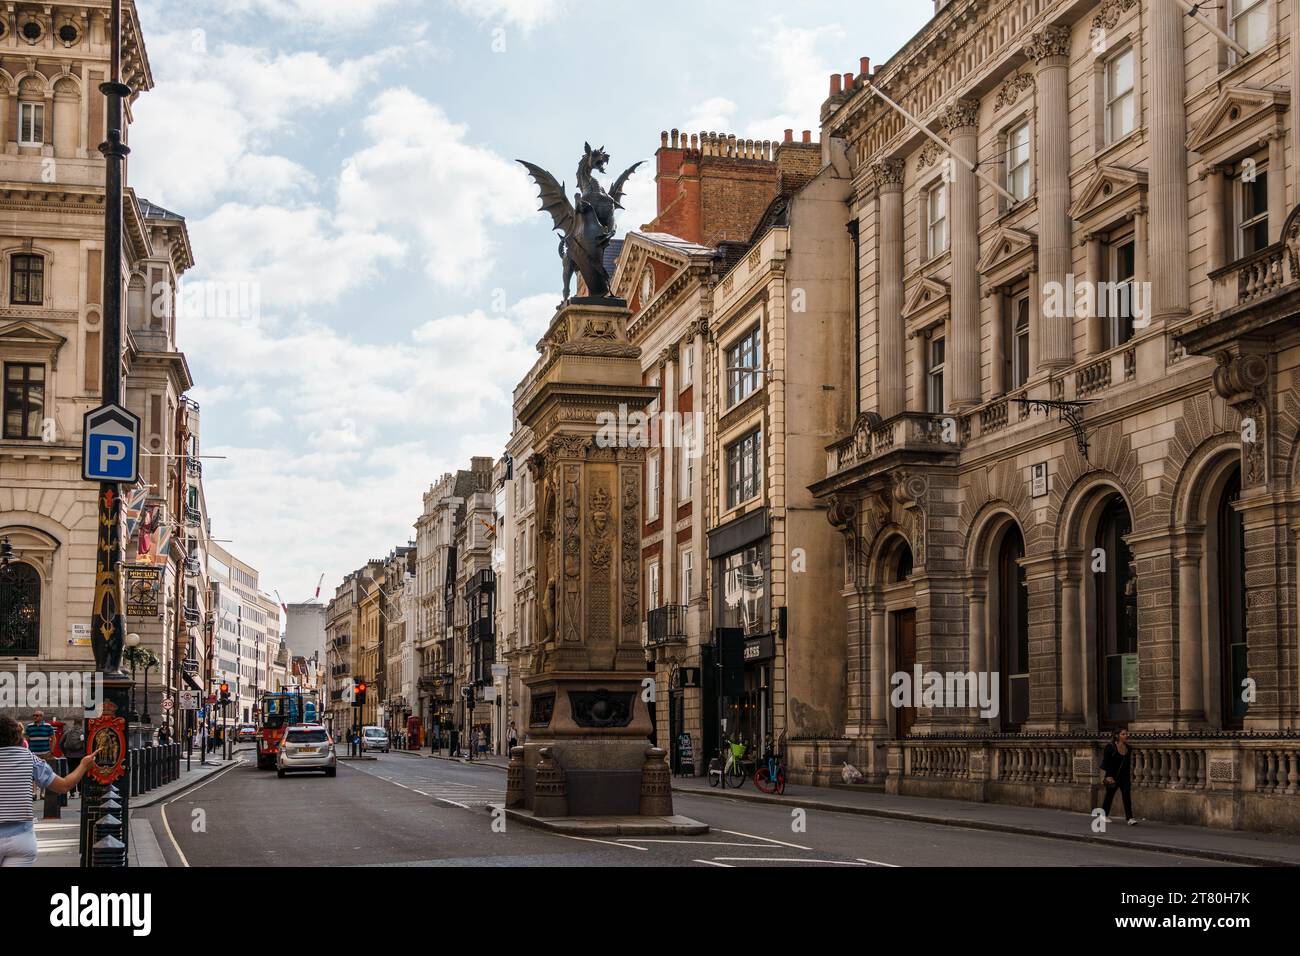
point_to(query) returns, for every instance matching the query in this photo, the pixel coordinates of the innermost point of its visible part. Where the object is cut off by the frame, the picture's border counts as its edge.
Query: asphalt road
(405, 811)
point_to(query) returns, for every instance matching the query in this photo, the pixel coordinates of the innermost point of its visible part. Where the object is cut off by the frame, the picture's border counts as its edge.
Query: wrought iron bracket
(1069, 412)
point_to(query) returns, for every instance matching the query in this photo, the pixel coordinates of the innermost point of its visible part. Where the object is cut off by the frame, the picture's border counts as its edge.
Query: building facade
(52, 62)
(1073, 470)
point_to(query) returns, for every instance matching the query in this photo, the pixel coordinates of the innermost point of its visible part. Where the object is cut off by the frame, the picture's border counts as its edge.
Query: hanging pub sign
(143, 590)
(107, 740)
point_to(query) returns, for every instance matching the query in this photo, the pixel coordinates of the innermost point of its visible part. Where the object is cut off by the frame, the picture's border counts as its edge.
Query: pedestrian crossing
(463, 795)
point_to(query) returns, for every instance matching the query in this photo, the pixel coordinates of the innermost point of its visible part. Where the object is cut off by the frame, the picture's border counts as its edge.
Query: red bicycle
(763, 781)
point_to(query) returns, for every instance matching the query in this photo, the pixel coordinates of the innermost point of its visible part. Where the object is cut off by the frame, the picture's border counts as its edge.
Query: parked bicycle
(763, 778)
(732, 769)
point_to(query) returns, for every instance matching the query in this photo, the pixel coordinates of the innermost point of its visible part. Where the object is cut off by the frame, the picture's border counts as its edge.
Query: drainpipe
(857, 317)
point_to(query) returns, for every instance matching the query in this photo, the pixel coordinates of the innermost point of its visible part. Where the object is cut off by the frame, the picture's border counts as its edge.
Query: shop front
(744, 636)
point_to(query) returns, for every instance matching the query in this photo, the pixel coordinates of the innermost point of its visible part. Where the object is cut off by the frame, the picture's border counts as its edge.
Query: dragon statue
(587, 224)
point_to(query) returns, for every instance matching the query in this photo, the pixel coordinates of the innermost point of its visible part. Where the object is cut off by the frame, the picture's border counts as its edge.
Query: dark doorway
(904, 661)
(1013, 630)
(1115, 577)
(1232, 604)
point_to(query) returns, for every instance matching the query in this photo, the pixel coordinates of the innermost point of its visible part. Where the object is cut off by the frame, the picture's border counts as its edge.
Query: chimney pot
(848, 82)
(835, 83)
(674, 134)
(789, 136)
(864, 66)
(807, 136)
(663, 138)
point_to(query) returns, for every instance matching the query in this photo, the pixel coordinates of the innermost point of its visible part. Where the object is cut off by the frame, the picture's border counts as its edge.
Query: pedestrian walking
(482, 740)
(454, 749)
(164, 736)
(512, 737)
(20, 770)
(74, 743)
(1116, 765)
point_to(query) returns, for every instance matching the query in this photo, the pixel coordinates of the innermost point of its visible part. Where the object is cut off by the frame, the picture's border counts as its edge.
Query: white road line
(715, 863)
(454, 803)
(754, 836)
(787, 859)
(626, 846)
(759, 846)
(162, 811)
(895, 866)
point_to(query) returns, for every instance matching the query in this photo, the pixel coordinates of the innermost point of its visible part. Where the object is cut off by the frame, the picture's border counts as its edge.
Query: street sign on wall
(110, 445)
(189, 699)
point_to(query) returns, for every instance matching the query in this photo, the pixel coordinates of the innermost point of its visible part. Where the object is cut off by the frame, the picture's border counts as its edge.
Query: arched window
(1232, 603)
(1116, 582)
(1013, 630)
(902, 562)
(20, 610)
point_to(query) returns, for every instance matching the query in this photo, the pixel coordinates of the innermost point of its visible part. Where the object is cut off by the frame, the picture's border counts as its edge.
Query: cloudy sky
(348, 166)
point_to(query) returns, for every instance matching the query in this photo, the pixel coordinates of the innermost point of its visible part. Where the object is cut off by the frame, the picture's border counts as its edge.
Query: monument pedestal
(587, 752)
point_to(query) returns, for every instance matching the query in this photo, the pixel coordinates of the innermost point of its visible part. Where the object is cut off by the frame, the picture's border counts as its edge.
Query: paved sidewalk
(1238, 846)
(57, 840)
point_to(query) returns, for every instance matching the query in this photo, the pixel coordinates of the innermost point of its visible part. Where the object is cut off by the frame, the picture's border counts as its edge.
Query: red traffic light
(225, 688)
(361, 687)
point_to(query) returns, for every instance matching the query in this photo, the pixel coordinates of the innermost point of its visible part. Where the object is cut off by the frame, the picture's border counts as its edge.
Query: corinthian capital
(1048, 42)
(961, 114)
(887, 172)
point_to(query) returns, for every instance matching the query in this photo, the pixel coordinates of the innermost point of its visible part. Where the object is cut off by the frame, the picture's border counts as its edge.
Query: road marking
(788, 859)
(162, 810)
(754, 836)
(715, 863)
(454, 803)
(895, 866)
(761, 846)
(627, 846)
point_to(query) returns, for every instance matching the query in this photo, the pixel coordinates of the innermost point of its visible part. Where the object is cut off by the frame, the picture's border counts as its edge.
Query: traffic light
(225, 692)
(358, 693)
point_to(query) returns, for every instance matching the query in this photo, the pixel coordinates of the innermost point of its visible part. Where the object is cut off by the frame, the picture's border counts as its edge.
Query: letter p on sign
(111, 445)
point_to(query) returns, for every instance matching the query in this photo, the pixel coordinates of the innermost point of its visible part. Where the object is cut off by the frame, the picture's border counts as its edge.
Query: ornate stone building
(1075, 462)
(52, 120)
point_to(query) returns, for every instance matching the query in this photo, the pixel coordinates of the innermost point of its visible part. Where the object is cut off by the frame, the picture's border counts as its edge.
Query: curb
(686, 826)
(1222, 856)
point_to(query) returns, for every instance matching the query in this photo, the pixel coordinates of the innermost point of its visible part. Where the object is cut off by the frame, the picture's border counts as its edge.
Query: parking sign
(110, 445)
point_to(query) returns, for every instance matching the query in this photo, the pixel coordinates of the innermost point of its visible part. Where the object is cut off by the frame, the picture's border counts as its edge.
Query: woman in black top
(1116, 765)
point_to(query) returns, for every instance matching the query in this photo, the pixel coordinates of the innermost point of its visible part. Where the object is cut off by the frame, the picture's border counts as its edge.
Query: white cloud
(714, 115)
(336, 478)
(640, 199)
(420, 178)
(312, 16)
(793, 55)
(295, 257)
(525, 14)
(215, 113)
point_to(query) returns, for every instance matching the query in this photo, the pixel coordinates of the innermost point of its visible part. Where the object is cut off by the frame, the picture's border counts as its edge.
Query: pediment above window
(1111, 196)
(1237, 121)
(33, 339)
(1008, 254)
(927, 300)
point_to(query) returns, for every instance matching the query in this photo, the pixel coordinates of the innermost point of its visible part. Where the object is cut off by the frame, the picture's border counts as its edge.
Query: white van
(374, 738)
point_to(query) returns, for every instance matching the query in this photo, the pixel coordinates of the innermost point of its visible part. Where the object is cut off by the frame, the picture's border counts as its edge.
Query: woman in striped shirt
(19, 769)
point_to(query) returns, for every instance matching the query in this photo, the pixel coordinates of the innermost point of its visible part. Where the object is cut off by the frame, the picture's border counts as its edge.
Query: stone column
(1096, 327)
(1216, 233)
(1049, 49)
(920, 358)
(1277, 208)
(977, 653)
(1168, 169)
(879, 694)
(961, 119)
(998, 360)
(1140, 247)
(1072, 637)
(891, 369)
(1191, 699)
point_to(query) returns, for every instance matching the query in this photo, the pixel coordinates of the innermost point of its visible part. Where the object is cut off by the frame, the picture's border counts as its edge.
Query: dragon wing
(553, 198)
(616, 193)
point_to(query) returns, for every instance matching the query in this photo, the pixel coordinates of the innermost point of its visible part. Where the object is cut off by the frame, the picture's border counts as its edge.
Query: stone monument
(587, 722)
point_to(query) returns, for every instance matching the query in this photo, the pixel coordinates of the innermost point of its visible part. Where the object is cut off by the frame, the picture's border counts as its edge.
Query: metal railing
(666, 625)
